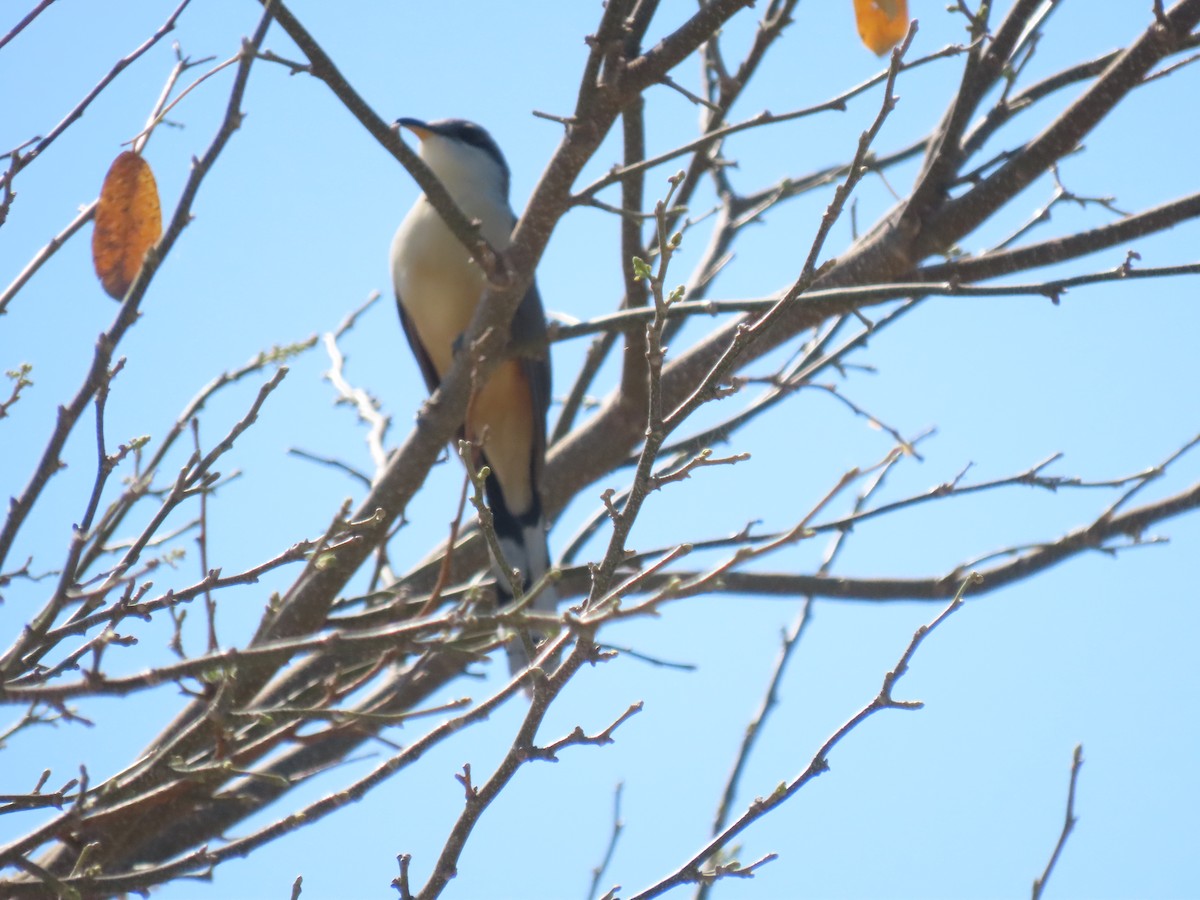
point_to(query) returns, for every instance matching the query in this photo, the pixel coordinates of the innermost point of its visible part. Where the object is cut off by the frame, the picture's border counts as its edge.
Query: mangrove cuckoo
(438, 287)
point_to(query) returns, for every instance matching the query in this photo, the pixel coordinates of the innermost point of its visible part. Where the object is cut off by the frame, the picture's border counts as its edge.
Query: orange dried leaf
(128, 223)
(882, 24)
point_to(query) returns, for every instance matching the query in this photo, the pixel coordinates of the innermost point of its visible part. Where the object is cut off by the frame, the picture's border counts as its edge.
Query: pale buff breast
(436, 281)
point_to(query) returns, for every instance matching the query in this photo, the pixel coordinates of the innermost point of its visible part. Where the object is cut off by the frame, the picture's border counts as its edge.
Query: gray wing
(418, 349)
(529, 335)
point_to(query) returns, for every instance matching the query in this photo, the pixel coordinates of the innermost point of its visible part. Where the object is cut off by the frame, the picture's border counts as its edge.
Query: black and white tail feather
(522, 540)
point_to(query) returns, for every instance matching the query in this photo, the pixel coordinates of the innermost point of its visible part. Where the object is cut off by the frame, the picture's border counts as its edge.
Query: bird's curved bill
(416, 126)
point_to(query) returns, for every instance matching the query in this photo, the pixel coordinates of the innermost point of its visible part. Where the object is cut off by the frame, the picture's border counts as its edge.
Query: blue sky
(963, 798)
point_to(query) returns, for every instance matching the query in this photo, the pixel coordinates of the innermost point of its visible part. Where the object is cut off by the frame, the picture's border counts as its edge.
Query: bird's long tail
(522, 539)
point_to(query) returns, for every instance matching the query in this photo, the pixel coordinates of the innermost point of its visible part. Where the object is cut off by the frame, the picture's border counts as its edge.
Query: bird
(438, 287)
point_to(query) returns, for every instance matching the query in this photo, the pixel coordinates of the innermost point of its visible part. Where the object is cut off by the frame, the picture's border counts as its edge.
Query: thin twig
(618, 825)
(692, 871)
(1039, 884)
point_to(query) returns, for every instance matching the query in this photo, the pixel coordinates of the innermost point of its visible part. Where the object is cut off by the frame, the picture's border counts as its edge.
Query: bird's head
(463, 155)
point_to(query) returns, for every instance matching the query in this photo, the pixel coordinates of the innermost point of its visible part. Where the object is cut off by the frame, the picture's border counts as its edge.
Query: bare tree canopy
(872, 453)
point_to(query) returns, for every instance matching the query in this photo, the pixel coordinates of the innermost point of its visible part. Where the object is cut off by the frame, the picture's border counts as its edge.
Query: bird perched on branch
(438, 287)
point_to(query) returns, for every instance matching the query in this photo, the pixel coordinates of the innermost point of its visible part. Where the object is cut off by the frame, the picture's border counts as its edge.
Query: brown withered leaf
(128, 222)
(882, 24)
